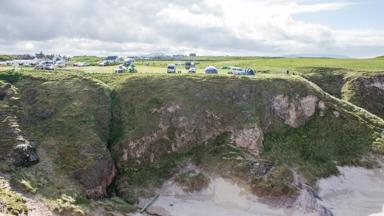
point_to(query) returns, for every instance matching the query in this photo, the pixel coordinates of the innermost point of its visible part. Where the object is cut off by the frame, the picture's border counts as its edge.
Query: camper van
(171, 68)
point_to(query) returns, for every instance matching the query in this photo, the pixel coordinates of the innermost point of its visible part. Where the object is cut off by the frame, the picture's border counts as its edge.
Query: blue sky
(352, 28)
(363, 14)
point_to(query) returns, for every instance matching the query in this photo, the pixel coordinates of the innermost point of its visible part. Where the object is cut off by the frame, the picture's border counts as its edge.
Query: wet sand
(356, 192)
(221, 198)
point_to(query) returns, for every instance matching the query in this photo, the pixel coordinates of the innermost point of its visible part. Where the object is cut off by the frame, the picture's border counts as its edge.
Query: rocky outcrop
(366, 92)
(97, 178)
(294, 111)
(70, 120)
(250, 139)
(24, 155)
(16, 150)
(308, 204)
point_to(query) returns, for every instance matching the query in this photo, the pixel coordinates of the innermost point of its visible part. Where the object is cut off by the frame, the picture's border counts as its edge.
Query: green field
(267, 65)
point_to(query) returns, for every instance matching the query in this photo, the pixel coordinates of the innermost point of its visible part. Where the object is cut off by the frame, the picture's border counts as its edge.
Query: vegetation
(91, 60)
(11, 203)
(191, 181)
(77, 115)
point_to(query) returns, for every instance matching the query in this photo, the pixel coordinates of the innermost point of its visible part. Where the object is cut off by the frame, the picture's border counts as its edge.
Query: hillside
(361, 88)
(122, 136)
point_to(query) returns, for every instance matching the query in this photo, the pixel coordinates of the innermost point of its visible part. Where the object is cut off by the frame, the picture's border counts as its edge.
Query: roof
(111, 58)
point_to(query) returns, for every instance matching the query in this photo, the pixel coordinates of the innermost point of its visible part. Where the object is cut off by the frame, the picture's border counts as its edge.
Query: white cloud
(263, 27)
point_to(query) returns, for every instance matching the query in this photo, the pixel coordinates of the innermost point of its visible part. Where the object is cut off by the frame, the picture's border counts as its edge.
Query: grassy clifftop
(362, 88)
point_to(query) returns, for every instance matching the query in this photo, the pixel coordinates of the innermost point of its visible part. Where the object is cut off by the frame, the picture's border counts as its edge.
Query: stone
(294, 111)
(250, 139)
(24, 155)
(336, 114)
(97, 177)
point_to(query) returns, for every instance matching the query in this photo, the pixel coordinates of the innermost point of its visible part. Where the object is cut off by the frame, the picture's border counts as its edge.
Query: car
(236, 70)
(211, 70)
(45, 65)
(103, 63)
(128, 62)
(171, 68)
(241, 71)
(60, 64)
(120, 69)
(189, 64)
(192, 70)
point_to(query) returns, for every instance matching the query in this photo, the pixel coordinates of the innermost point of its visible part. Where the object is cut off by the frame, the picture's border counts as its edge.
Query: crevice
(115, 133)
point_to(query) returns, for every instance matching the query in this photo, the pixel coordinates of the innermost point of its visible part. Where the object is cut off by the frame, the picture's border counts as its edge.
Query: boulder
(294, 111)
(250, 139)
(24, 155)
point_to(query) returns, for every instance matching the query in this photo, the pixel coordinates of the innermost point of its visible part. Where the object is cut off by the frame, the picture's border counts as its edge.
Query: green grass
(11, 203)
(92, 60)
(84, 98)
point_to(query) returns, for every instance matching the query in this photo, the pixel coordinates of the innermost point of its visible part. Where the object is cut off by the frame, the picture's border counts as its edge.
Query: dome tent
(211, 70)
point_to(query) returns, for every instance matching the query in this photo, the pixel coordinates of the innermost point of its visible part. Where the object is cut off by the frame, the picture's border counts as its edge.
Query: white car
(103, 63)
(192, 70)
(171, 68)
(60, 64)
(120, 69)
(45, 65)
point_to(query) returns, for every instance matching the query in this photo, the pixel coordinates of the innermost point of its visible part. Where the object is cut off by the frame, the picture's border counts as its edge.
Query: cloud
(263, 27)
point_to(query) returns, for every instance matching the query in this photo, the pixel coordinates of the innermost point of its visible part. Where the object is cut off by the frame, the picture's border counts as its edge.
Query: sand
(356, 192)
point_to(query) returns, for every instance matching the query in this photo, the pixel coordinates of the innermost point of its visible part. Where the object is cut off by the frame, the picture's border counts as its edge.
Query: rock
(97, 177)
(308, 105)
(250, 139)
(322, 105)
(336, 114)
(3, 93)
(157, 210)
(308, 203)
(294, 111)
(24, 155)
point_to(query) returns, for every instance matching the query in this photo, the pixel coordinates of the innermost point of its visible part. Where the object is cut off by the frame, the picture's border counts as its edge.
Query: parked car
(189, 64)
(120, 69)
(241, 71)
(45, 65)
(60, 64)
(128, 62)
(171, 68)
(192, 70)
(103, 63)
(211, 70)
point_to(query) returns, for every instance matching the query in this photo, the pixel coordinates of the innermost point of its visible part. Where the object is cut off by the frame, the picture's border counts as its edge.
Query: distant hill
(315, 55)
(380, 57)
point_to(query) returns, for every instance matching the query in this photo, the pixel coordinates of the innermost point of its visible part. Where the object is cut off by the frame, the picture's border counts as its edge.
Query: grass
(192, 181)
(11, 203)
(92, 60)
(95, 108)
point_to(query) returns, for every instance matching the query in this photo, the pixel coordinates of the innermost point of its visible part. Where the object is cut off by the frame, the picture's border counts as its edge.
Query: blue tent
(211, 70)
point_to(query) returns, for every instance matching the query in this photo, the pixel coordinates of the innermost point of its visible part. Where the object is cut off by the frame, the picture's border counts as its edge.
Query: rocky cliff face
(80, 130)
(367, 92)
(16, 150)
(68, 122)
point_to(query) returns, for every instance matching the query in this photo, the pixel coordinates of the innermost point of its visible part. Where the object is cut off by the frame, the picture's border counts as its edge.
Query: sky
(353, 28)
